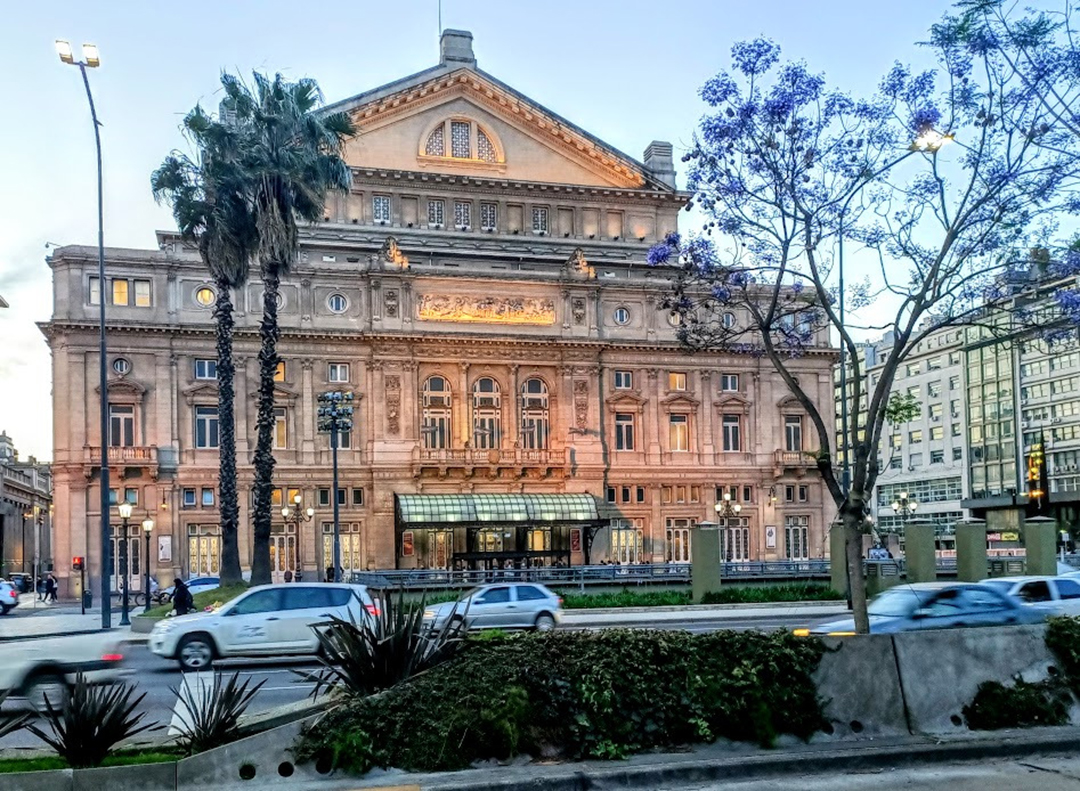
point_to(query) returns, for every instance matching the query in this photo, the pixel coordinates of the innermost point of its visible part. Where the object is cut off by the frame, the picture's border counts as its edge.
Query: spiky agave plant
(209, 714)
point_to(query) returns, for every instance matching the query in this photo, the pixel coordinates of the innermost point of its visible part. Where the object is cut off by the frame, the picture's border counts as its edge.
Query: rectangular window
(748, 494)
(936, 411)
(279, 372)
(436, 212)
(913, 392)
(188, 500)
(337, 372)
(539, 219)
(732, 427)
(676, 381)
(624, 431)
(460, 143)
(913, 369)
(610, 494)
(895, 463)
(804, 493)
(489, 216)
(956, 429)
(933, 389)
(324, 498)
(624, 380)
(937, 457)
(119, 292)
(915, 437)
(937, 432)
(641, 494)
(933, 364)
(915, 460)
(729, 383)
(206, 427)
(121, 426)
(789, 494)
(625, 494)
(380, 208)
(954, 382)
(208, 498)
(344, 440)
(462, 214)
(679, 432)
(341, 495)
(896, 440)
(796, 544)
(142, 293)
(281, 429)
(131, 496)
(957, 454)
(357, 497)
(94, 291)
(793, 432)
(206, 369)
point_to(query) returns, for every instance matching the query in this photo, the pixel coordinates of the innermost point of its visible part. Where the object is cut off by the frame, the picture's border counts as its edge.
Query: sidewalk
(58, 620)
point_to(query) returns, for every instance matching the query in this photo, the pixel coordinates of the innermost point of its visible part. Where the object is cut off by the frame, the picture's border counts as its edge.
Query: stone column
(919, 552)
(1040, 540)
(704, 561)
(463, 407)
(708, 447)
(513, 434)
(305, 413)
(654, 396)
(970, 552)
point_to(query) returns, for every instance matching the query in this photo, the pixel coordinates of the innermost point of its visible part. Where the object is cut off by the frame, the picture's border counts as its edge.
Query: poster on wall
(164, 549)
(575, 539)
(770, 537)
(407, 548)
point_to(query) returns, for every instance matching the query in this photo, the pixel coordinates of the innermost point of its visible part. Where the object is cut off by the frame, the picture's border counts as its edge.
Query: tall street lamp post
(125, 515)
(91, 60)
(148, 528)
(904, 508)
(725, 509)
(335, 415)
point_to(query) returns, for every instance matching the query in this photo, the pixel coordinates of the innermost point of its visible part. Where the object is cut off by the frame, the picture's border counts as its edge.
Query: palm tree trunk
(226, 371)
(264, 457)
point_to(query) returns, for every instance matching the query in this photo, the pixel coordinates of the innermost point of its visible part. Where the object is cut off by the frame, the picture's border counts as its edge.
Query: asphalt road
(1028, 774)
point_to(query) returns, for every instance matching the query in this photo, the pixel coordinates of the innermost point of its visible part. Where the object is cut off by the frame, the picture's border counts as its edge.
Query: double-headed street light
(904, 508)
(726, 509)
(124, 509)
(335, 415)
(296, 515)
(91, 59)
(148, 528)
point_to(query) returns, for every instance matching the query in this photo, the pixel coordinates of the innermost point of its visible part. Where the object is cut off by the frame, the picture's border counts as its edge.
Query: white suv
(44, 665)
(269, 620)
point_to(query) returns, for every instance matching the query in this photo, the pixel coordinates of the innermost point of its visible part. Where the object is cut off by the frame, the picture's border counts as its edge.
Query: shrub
(387, 647)
(626, 598)
(1063, 640)
(582, 695)
(9, 723)
(765, 594)
(1020, 706)
(90, 720)
(210, 715)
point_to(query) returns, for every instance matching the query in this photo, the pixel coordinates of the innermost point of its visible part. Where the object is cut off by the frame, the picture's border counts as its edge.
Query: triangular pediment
(680, 399)
(204, 391)
(732, 403)
(533, 144)
(626, 400)
(282, 395)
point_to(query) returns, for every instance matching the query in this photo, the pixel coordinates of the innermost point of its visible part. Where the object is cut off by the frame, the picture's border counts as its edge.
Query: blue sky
(626, 70)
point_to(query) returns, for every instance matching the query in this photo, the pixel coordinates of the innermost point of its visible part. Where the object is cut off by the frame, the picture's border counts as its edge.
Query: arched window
(436, 415)
(487, 414)
(462, 138)
(534, 415)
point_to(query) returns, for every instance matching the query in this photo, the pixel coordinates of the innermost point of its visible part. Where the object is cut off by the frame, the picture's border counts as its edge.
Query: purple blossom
(755, 57)
(659, 254)
(673, 240)
(925, 117)
(719, 90)
(798, 286)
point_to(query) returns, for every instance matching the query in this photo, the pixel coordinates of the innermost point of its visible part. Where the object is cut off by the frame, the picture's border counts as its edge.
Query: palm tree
(292, 159)
(208, 199)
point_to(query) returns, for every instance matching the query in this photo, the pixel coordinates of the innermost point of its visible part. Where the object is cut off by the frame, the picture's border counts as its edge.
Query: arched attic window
(462, 138)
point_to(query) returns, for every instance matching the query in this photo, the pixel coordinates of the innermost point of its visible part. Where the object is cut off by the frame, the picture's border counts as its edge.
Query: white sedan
(1056, 595)
(269, 620)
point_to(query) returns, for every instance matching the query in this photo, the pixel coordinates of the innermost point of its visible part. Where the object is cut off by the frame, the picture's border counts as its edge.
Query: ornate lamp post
(335, 414)
(125, 514)
(725, 509)
(904, 508)
(297, 515)
(148, 528)
(91, 60)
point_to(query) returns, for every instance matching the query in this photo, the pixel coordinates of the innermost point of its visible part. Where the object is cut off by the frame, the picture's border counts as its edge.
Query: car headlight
(430, 614)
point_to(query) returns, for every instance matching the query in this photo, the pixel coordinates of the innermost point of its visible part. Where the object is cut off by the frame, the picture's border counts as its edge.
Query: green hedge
(602, 694)
(728, 594)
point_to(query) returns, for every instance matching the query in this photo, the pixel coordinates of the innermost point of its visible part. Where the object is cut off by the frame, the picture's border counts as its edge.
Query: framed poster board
(770, 537)
(164, 549)
(408, 548)
(575, 539)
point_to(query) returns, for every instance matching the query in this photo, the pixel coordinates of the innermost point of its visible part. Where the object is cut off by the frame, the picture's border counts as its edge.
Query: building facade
(519, 395)
(25, 513)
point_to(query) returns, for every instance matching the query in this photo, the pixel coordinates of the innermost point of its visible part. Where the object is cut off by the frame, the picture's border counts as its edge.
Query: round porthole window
(621, 316)
(121, 365)
(729, 320)
(337, 303)
(280, 300)
(205, 296)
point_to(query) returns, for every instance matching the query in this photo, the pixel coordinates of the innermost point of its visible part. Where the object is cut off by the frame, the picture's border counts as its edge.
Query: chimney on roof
(659, 163)
(455, 49)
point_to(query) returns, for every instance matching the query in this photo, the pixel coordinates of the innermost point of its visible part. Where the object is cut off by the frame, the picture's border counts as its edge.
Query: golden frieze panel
(486, 310)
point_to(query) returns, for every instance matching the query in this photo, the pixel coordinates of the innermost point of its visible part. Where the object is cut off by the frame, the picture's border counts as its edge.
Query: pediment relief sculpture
(486, 310)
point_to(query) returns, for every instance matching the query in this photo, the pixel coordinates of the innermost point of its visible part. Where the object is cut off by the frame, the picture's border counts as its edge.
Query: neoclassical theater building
(483, 292)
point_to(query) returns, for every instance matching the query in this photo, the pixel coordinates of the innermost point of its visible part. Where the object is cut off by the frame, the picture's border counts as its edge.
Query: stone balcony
(798, 460)
(472, 460)
(128, 460)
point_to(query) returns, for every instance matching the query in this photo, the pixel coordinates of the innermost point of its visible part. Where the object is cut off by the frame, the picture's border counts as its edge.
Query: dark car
(935, 605)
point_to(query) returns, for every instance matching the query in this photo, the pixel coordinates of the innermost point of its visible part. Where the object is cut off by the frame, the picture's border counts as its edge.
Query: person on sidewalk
(183, 601)
(50, 588)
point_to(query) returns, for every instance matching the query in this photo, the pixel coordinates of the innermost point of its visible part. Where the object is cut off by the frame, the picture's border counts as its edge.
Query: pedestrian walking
(183, 601)
(50, 588)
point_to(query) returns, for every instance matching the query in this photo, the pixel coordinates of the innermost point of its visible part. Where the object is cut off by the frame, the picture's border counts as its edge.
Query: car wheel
(45, 685)
(195, 652)
(4, 609)
(544, 623)
(457, 627)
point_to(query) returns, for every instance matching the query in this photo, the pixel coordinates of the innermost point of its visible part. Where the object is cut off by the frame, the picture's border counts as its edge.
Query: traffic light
(78, 563)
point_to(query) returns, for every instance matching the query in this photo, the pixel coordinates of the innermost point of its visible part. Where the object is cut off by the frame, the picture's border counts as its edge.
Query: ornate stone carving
(578, 308)
(391, 256)
(393, 403)
(486, 310)
(578, 266)
(581, 404)
(391, 304)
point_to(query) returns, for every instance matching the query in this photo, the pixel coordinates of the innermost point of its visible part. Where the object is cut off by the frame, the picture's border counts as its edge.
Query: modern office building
(520, 396)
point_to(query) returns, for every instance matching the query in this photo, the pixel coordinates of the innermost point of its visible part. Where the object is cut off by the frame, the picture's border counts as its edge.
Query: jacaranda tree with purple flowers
(935, 183)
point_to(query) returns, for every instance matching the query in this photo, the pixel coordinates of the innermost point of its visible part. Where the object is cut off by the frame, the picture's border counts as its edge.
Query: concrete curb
(717, 609)
(677, 773)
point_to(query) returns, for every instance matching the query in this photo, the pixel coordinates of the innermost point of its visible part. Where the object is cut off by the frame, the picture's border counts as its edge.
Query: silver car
(507, 605)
